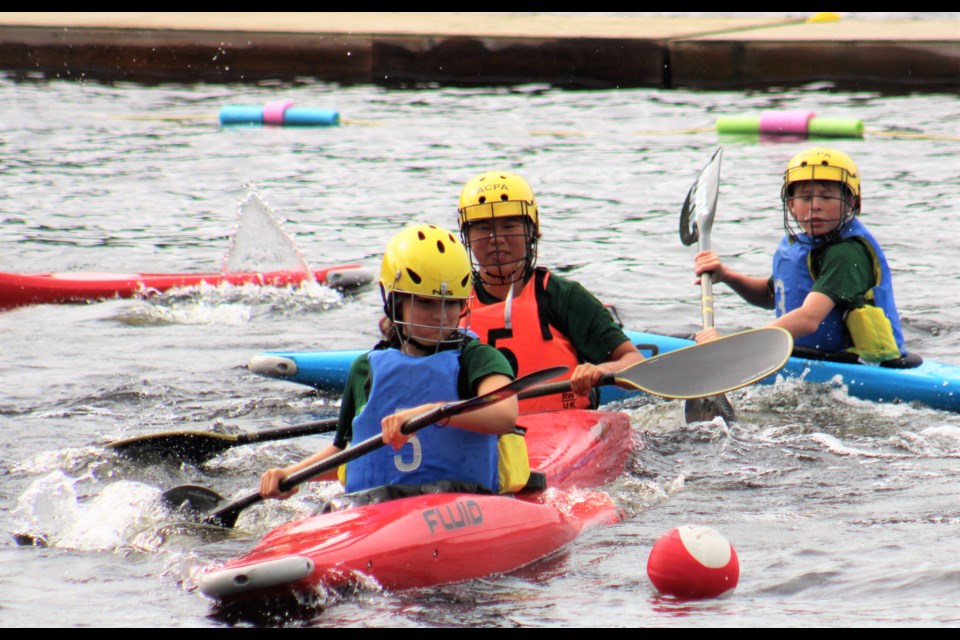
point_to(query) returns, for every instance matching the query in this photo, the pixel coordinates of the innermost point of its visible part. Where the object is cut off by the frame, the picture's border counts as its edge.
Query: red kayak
(20, 289)
(435, 539)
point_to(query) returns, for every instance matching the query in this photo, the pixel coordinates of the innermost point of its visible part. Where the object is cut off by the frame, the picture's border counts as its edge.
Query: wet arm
(805, 319)
(270, 480)
(495, 419)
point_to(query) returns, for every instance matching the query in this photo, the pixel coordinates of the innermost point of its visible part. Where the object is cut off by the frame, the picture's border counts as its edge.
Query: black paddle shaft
(227, 516)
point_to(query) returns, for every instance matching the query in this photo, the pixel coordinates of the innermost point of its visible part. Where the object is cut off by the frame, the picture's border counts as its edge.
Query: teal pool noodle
(241, 114)
(310, 117)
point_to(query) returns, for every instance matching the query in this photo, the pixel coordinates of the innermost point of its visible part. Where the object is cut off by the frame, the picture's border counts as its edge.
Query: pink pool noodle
(785, 122)
(273, 111)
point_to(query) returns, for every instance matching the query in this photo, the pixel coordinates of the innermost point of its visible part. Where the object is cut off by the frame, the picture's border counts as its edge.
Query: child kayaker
(428, 360)
(536, 318)
(831, 285)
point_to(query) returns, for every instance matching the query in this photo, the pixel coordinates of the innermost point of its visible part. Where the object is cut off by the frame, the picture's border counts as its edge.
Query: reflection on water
(832, 503)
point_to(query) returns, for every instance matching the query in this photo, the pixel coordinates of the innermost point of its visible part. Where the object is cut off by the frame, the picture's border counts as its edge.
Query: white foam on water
(836, 447)
(941, 441)
(48, 507)
(50, 510)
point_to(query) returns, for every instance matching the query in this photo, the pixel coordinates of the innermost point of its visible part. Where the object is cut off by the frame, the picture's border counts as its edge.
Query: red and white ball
(693, 562)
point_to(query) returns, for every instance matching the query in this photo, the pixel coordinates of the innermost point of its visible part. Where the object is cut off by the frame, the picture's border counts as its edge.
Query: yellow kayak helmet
(497, 194)
(426, 260)
(822, 164)
(492, 196)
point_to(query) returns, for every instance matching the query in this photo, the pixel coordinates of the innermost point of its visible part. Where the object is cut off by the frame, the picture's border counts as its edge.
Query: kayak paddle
(696, 221)
(197, 446)
(178, 497)
(704, 370)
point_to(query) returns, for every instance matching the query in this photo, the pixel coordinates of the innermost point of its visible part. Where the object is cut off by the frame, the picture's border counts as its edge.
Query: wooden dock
(463, 49)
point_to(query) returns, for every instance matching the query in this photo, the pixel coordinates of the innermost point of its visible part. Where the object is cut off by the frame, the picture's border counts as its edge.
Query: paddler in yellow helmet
(426, 361)
(831, 285)
(536, 318)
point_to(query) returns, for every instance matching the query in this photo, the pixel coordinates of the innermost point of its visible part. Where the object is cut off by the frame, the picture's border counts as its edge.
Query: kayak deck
(411, 542)
(435, 539)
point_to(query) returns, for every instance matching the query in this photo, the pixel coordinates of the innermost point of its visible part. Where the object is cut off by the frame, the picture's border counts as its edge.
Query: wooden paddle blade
(194, 447)
(706, 409)
(711, 368)
(688, 220)
(696, 215)
(30, 540)
(228, 515)
(191, 499)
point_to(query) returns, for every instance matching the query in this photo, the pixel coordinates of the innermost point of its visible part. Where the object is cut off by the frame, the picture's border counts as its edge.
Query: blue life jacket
(793, 280)
(432, 453)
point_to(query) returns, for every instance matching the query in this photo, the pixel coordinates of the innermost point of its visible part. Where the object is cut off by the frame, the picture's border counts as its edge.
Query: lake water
(843, 513)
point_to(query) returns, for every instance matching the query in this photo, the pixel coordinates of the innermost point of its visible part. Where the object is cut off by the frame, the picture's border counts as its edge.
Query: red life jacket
(524, 335)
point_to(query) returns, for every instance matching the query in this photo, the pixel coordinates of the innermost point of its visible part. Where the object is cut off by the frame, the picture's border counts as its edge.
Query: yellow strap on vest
(514, 463)
(872, 334)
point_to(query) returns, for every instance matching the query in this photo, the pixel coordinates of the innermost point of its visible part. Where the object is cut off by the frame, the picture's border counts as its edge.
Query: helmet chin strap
(795, 229)
(849, 211)
(404, 339)
(520, 273)
(423, 347)
(511, 277)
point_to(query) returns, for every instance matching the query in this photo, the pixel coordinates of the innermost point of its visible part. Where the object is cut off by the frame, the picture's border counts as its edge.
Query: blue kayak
(934, 384)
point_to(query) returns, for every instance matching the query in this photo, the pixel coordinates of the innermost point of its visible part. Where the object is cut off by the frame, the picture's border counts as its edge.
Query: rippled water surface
(843, 512)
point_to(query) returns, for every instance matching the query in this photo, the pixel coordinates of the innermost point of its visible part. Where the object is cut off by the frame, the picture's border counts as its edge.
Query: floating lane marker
(773, 125)
(791, 123)
(785, 122)
(281, 113)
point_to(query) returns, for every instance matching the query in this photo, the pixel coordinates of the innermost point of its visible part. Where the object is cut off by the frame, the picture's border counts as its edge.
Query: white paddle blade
(712, 368)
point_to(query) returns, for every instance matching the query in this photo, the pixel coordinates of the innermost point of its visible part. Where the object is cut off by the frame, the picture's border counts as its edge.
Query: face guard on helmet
(428, 266)
(818, 166)
(489, 203)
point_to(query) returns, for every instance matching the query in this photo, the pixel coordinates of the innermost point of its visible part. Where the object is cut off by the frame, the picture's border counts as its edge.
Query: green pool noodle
(738, 124)
(835, 128)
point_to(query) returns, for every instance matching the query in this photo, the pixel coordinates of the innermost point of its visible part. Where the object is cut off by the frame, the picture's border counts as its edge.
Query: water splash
(228, 304)
(259, 242)
(51, 513)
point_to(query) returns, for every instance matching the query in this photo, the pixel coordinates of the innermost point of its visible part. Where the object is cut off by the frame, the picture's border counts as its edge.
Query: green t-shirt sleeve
(845, 273)
(354, 399)
(478, 361)
(580, 316)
